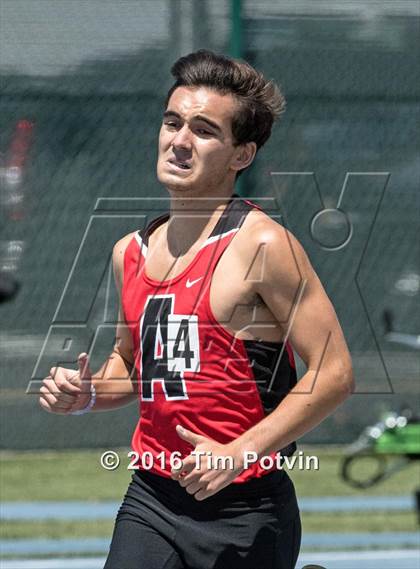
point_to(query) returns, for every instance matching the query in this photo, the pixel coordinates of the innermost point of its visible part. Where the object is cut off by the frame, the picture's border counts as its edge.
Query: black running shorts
(251, 525)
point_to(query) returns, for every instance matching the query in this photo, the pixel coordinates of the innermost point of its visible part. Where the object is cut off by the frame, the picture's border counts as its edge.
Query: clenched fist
(66, 390)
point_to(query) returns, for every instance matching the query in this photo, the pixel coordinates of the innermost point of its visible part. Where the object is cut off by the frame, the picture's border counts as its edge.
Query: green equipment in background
(391, 444)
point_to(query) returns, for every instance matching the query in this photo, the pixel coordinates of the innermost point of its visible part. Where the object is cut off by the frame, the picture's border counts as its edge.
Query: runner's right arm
(67, 390)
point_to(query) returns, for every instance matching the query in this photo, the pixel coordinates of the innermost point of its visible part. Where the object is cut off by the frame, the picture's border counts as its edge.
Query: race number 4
(183, 344)
(170, 346)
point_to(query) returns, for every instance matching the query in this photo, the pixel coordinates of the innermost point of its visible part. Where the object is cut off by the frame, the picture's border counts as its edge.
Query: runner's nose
(182, 139)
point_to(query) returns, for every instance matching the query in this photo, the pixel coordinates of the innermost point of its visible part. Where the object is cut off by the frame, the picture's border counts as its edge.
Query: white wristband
(89, 405)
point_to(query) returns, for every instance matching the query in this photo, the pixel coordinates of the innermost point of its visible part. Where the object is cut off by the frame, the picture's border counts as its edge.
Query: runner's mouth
(183, 165)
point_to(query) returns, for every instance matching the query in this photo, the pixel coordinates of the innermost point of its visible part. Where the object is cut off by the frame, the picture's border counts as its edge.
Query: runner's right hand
(66, 390)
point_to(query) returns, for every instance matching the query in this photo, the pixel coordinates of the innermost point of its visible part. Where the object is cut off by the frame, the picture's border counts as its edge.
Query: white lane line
(376, 555)
(75, 563)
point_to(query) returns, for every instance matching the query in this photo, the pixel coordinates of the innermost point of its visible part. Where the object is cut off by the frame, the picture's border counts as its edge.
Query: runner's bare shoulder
(265, 244)
(118, 257)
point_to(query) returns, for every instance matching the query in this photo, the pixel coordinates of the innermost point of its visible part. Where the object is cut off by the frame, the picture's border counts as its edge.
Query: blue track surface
(106, 510)
(309, 541)
(388, 550)
(394, 559)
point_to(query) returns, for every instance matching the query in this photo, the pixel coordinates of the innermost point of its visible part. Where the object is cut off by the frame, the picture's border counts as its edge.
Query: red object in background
(21, 142)
(13, 197)
(13, 202)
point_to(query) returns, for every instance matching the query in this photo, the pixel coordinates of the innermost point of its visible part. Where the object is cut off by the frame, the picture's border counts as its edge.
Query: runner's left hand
(209, 478)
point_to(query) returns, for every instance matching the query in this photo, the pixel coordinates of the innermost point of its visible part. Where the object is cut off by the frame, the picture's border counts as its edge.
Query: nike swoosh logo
(189, 283)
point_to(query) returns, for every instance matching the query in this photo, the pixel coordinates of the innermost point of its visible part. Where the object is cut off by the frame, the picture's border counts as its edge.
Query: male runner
(213, 296)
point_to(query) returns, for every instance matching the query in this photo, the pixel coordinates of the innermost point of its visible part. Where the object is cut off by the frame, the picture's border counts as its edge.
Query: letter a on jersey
(170, 346)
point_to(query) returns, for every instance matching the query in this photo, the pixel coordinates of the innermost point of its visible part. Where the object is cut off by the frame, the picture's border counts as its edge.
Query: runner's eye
(203, 131)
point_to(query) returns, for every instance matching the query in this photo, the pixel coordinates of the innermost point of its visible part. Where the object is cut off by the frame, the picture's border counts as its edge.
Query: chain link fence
(82, 91)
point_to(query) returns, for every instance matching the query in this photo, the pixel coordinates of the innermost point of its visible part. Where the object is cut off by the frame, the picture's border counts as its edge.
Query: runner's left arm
(293, 292)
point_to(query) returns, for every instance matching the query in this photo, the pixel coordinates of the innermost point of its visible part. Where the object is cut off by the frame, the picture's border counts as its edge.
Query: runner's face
(196, 150)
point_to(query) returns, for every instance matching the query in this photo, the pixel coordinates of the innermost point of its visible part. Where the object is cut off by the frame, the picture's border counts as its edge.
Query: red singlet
(191, 370)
